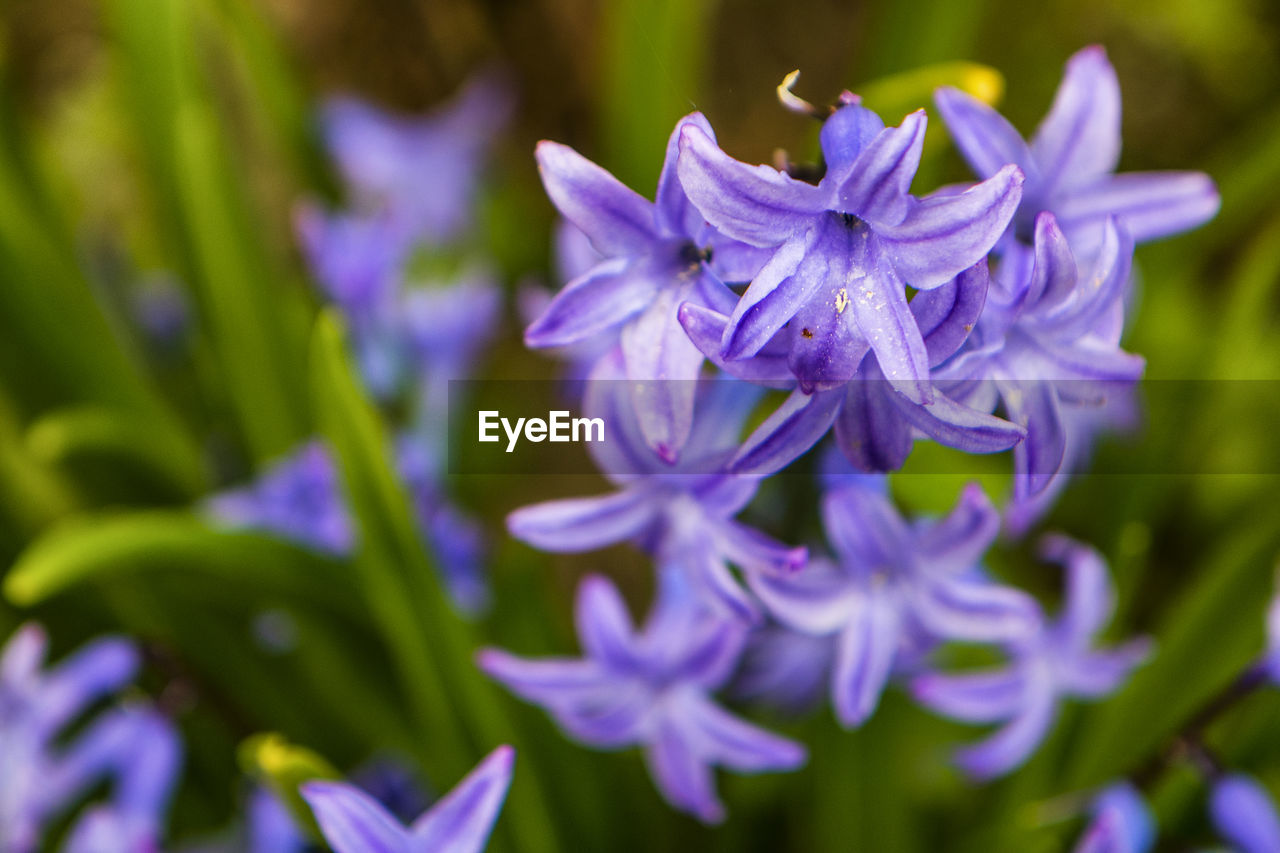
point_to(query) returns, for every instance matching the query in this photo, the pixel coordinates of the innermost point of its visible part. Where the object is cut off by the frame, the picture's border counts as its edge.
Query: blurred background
(152, 154)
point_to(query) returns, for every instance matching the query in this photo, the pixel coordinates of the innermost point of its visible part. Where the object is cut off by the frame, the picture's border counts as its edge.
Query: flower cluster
(986, 317)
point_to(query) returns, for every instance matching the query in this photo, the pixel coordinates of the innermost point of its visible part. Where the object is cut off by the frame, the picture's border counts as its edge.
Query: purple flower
(270, 828)
(784, 669)
(423, 171)
(682, 513)
(892, 582)
(843, 252)
(42, 774)
(1057, 661)
(1121, 823)
(1244, 814)
(1070, 162)
(299, 498)
(652, 688)
(1051, 342)
(657, 255)
(461, 822)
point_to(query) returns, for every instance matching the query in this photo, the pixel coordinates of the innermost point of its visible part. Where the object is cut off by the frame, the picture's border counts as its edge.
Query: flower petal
(1033, 405)
(616, 219)
(956, 542)
(946, 315)
(1150, 205)
(971, 697)
(603, 297)
(677, 216)
(734, 743)
(462, 821)
(870, 431)
(1079, 140)
(951, 424)
(818, 599)
(946, 234)
(705, 329)
(985, 138)
(1244, 814)
(755, 204)
(662, 371)
(864, 527)
(682, 776)
(878, 187)
(794, 427)
(773, 298)
(583, 524)
(864, 659)
(604, 626)
(1014, 743)
(974, 609)
(352, 821)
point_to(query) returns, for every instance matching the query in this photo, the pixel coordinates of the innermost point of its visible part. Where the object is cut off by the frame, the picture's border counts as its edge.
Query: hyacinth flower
(652, 689)
(656, 256)
(1051, 343)
(424, 172)
(892, 583)
(133, 748)
(352, 821)
(1057, 661)
(875, 424)
(783, 669)
(1120, 823)
(844, 251)
(1244, 814)
(683, 514)
(1070, 164)
(299, 499)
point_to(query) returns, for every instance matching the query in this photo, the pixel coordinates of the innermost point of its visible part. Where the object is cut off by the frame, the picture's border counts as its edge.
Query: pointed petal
(879, 303)
(864, 527)
(971, 697)
(773, 298)
(956, 543)
(541, 680)
(1033, 405)
(844, 136)
(603, 297)
(877, 189)
(462, 821)
(1244, 814)
(953, 425)
(705, 329)
(1013, 744)
(753, 551)
(1097, 295)
(1090, 598)
(1150, 205)
(818, 599)
(604, 626)
(707, 654)
(975, 609)
(755, 204)
(1094, 675)
(1079, 140)
(827, 345)
(662, 372)
(794, 427)
(682, 776)
(583, 524)
(944, 235)
(616, 219)
(864, 660)
(870, 431)
(985, 138)
(98, 669)
(735, 744)
(676, 214)
(946, 315)
(1053, 272)
(352, 821)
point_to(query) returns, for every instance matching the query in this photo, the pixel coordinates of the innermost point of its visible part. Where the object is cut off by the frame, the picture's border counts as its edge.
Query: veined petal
(462, 821)
(1033, 406)
(818, 599)
(879, 304)
(972, 697)
(352, 821)
(1098, 294)
(662, 372)
(1150, 205)
(827, 345)
(1013, 744)
(946, 234)
(954, 425)
(794, 427)
(864, 659)
(1094, 675)
(705, 329)
(946, 315)
(753, 551)
(603, 297)
(773, 298)
(677, 216)
(845, 135)
(956, 542)
(870, 431)
(1079, 140)
(544, 679)
(878, 186)
(617, 220)
(975, 609)
(755, 204)
(583, 524)
(1090, 599)
(604, 626)
(734, 743)
(864, 528)
(1053, 273)
(985, 138)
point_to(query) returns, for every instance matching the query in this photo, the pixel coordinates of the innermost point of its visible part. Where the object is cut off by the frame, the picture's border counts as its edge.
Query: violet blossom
(1244, 814)
(893, 585)
(1120, 822)
(1057, 661)
(352, 821)
(652, 688)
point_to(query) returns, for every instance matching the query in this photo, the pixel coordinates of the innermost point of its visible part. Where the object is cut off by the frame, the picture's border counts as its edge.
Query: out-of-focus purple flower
(893, 581)
(657, 255)
(1121, 823)
(843, 252)
(133, 748)
(1055, 662)
(461, 822)
(784, 669)
(652, 688)
(875, 423)
(269, 827)
(1050, 343)
(682, 513)
(1244, 814)
(424, 171)
(1070, 162)
(299, 498)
